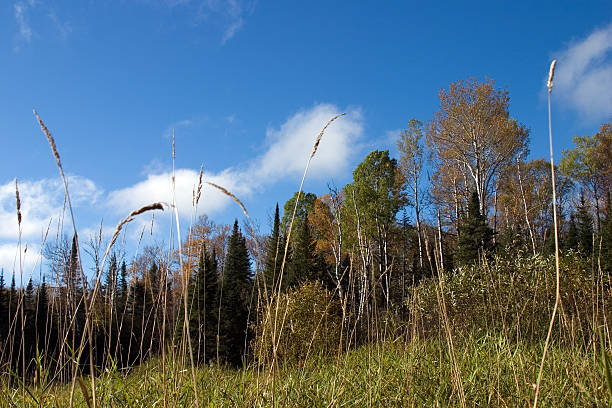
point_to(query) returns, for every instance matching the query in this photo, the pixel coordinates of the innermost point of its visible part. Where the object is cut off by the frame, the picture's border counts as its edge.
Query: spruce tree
(571, 240)
(43, 321)
(475, 235)
(110, 285)
(29, 325)
(274, 255)
(4, 318)
(203, 317)
(605, 255)
(236, 291)
(585, 227)
(305, 265)
(211, 305)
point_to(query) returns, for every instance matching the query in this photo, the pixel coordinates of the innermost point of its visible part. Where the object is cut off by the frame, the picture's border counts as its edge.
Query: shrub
(515, 297)
(309, 321)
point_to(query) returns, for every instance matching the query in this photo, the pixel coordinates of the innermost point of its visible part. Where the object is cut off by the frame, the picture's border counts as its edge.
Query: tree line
(462, 191)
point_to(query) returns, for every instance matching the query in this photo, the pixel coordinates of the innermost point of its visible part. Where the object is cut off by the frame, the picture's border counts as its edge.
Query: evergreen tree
(571, 241)
(29, 325)
(42, 320)
(305, 265)
(585, 227)
(606, 238)
(475, 235)
(110, 285)
(123, 288)
(236, 291)
(274, 255)
(203, 317)
(4, 318)
(211, 305)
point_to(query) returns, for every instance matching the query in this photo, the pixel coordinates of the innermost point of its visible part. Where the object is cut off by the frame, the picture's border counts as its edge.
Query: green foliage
(202, 309)
(514, 297)
(376, 189)
(494, 371)
(235, 300)
(311, 321)
(305, 206)
(584, 228)
(274, 255)
(475, 236)
(605, 255)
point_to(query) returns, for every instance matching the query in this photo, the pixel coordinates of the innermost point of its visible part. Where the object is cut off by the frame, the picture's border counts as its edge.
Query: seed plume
(130, 217)
(18, 203)
(50, 139)
(320, 135)
(551, 74)
(229, 194)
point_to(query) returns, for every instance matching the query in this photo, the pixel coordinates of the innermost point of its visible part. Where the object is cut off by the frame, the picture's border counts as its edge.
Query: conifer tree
(4, 318)
(585, 227)
(274, 254)
(110, 285)
(475, 235)
(605, 255)
(305, 265)
(571, 241)
(236, 291)
(43, 319)
(203, 316)
(29, 325)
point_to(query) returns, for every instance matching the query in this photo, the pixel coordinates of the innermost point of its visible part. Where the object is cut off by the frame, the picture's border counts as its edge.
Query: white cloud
(41, 200)
(291, 144)
(288, 148)
(158, 188)
(584, 75)
(10, 262)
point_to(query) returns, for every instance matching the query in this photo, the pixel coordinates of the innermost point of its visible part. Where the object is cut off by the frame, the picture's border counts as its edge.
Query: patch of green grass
(494, 371)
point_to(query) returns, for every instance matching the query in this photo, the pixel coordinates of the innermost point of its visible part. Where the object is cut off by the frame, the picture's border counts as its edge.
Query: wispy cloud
(12, 260)
(584, 75)
(287, 149)
(178, 124)
(41, 201)
(228, 14)
(63, 27)
(20, 10)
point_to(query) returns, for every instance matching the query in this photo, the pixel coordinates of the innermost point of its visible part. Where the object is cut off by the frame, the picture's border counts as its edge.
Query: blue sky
(246, 85)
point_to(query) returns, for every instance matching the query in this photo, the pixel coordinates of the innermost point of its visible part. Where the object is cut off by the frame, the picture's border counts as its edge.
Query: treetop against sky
(246, 86)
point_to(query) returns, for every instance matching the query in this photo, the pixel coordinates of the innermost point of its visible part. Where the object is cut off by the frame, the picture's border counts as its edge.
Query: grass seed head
(320, 135)
(551, 75)
(50, 139)
(18, 203)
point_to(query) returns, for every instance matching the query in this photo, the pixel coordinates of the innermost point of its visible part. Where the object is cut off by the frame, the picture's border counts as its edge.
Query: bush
(309, 320)
(515, 297)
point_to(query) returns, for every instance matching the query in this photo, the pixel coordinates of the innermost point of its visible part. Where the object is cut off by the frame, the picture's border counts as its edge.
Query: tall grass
(472, 336)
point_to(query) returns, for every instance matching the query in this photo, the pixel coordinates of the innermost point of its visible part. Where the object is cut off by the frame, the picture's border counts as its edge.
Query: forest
(430, 277)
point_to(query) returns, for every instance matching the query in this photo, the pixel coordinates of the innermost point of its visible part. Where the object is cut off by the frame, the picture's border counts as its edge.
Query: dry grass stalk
(78, 250)
(18, 203)
(320, 135)
(230, 195)
(50, 139)
(551, 75)
(276, 333)
(198, 191)
(556, 229)
(185, 276)
(129, 218)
